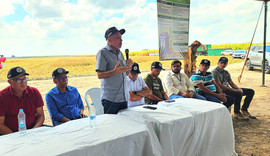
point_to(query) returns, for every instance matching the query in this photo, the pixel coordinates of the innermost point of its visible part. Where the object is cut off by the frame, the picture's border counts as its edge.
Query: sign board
(173, 28)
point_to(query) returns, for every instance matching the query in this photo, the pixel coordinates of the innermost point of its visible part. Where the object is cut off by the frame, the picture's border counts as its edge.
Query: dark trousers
(228, 103)
(249, 93)
(112, 107)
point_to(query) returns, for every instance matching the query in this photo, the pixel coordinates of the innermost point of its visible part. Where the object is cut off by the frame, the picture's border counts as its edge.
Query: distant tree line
(235, 46)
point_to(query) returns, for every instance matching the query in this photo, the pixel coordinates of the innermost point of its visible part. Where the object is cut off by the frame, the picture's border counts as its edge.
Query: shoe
(240, 116)
(247, 114)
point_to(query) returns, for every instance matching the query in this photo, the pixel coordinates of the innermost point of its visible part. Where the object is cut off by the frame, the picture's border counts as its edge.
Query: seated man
(206, 86)
(64, 102)
(178, 85)
(19, 96)
(223, 80)
(137, 87)
(154, 83)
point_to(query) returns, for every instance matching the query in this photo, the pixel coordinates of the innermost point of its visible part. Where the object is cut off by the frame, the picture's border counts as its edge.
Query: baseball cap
(223, 59)
(112, 30)
(205, 61)
(58, 72)
(16, 72)
(135, 69)
(157, 65)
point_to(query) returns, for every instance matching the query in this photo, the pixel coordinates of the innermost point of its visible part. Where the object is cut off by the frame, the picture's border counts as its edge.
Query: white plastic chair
(95, 95)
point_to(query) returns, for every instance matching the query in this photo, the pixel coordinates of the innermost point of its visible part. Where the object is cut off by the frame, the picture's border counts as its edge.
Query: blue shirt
(206, 79)
(65, 104)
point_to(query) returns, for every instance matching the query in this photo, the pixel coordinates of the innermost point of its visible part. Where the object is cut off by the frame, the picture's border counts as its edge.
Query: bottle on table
(21, 122)
(92, 116)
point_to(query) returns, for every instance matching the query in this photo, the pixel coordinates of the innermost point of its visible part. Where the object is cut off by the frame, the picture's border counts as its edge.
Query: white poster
(173, 28)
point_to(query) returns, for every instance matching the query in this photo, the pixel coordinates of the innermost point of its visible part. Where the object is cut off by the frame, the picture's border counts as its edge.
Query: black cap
(223, 59)
(112, 30)
(59, 71)
(205, 61)
(16, 72)
(157, 65)
(135, 69)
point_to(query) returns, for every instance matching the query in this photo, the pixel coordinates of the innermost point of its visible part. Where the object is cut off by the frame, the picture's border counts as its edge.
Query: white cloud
(223, 33)
(54, 27)
(6, 8)
(113, 5)
(43, 9)
(226, 22)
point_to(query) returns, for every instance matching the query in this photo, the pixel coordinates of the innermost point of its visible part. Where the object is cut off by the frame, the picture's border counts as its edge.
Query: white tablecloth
(213, 133)
(173, 127)
(114, 135)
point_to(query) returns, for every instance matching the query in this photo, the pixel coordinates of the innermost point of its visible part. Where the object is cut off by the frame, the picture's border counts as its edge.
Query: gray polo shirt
(223, 76)
(114, 88)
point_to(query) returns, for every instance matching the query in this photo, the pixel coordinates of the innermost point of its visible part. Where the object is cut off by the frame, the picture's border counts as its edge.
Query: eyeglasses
(63, 78)
(176, 66)
(21, 80)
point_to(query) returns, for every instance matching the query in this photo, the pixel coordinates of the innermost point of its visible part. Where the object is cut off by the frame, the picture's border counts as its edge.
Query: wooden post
(190, 61)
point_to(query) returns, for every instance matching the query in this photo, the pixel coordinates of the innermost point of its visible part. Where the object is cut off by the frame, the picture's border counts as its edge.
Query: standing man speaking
(111, 69)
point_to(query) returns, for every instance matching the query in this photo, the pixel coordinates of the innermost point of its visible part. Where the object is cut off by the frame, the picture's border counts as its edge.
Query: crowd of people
(121, 87)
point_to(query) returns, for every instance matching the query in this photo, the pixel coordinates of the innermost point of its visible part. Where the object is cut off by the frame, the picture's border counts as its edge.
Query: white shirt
(136, 85)
(177, 82)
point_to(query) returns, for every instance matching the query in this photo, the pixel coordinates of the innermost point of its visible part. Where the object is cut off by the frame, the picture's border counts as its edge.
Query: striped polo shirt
(206, 79)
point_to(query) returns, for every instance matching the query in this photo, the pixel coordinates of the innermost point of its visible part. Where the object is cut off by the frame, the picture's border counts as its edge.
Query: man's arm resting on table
(164, 95)
(64, 119)
(81, 115)
(3, 128)
(39, 118)
(145, 92)
(153, 97)
(140, 94)
(134, 97)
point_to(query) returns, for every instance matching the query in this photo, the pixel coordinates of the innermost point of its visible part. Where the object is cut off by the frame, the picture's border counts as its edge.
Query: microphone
(127, 51)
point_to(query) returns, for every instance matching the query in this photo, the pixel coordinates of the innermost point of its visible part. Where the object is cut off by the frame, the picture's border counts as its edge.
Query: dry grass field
(41, 68)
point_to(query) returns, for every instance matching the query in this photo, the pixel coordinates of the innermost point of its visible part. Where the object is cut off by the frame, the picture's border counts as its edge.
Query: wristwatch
(135, 92)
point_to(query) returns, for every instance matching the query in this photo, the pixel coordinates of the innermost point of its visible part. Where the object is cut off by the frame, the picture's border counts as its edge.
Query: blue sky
(71, 27)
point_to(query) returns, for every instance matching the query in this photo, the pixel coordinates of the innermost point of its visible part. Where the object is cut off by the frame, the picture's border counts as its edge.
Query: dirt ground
(252, 138)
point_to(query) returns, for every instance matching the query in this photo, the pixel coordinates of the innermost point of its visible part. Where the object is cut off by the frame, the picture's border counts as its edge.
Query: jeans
(195, 96)
(228, 103)
(249, 93)
(112, 107)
